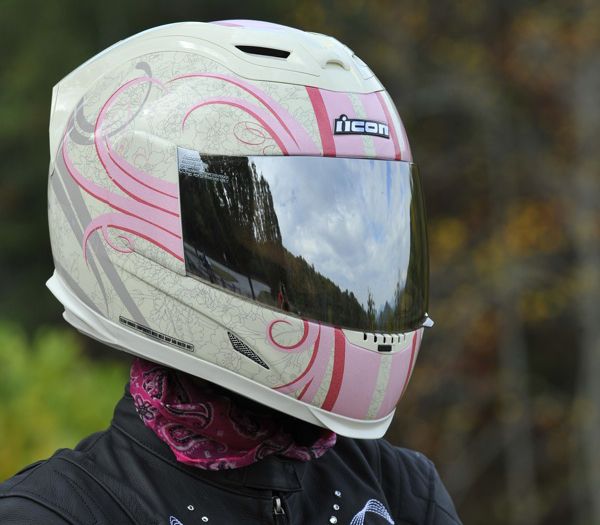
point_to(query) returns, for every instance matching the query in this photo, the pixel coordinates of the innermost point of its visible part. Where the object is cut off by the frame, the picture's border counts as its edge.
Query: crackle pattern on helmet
(116, 228)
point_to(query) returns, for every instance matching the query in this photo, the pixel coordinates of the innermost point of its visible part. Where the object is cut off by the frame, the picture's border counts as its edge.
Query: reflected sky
(348, 217)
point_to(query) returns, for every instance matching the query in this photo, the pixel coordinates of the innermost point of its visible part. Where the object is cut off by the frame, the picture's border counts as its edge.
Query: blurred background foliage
(501, 101)
(52, 394)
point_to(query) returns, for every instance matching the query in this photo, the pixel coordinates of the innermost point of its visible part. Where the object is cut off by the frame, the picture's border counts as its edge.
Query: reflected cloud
(350, 219)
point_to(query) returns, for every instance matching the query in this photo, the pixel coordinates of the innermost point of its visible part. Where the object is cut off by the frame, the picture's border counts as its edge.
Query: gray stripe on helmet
(97, 246)
(79, 137)
(63, 200)
(72, 284)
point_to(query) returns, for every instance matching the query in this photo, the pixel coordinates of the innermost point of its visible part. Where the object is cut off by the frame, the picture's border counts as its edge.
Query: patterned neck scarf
(211, 428)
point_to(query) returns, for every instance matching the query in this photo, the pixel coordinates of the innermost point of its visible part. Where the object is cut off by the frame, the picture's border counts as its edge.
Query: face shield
(337, 240)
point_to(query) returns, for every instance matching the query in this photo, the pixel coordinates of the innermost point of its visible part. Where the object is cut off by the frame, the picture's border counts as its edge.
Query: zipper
(279, 514)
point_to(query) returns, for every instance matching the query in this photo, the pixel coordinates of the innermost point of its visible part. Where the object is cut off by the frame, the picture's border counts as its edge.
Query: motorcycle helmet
(237, 200)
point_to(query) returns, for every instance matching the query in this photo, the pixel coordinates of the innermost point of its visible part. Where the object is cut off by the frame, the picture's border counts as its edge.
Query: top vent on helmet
(264, 51)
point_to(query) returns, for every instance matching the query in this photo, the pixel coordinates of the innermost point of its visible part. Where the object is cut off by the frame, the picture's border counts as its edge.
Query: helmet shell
(225, 88)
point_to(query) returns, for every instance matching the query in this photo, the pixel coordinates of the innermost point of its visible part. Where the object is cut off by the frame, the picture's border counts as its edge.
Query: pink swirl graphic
(266, 120)
(150, 207)
(250, 133)
(294, 135)
(298, 345)
(355, 371)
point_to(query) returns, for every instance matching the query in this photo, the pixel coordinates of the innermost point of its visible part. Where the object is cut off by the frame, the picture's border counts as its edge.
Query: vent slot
(243, 349)
(264, 51)
(336, 63)
(388, 340)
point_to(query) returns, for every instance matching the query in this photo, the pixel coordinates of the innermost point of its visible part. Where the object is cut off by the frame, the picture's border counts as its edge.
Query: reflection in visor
(337, 240)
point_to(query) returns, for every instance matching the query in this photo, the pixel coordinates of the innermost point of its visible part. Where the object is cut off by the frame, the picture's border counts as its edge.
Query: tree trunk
(585, 192)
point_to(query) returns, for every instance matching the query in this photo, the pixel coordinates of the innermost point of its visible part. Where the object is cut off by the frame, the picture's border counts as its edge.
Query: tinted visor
(337, 240)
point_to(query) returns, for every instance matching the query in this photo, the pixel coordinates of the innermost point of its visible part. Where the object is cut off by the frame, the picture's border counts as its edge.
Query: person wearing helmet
(235, 205)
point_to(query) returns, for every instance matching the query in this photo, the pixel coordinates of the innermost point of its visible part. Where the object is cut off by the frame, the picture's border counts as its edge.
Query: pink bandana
(213, 429)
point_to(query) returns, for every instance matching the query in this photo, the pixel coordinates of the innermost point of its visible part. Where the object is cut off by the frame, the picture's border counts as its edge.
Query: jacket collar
(272, 473)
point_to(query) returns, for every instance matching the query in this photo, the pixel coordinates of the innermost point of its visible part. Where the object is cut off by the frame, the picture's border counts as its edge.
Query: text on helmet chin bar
(357, 126)
(154, 334)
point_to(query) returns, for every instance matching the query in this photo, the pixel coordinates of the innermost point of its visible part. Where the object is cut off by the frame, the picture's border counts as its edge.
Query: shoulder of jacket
(417, 473)
(417, 467)
(59, 484)
(51, 469)
(37, 490)
(388, 459)
(30, 510)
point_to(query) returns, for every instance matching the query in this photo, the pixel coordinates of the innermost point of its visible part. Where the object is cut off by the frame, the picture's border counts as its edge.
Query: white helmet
(237, 200)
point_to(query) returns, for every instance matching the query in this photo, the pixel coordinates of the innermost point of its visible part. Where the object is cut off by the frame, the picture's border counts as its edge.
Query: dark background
(501, 101)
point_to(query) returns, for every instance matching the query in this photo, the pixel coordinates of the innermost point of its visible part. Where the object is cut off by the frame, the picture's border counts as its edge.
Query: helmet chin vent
(264, 51)
(386, 339)
(245, 350)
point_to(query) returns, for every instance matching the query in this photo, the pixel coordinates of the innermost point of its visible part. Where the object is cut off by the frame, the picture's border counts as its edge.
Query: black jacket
(126, 475)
